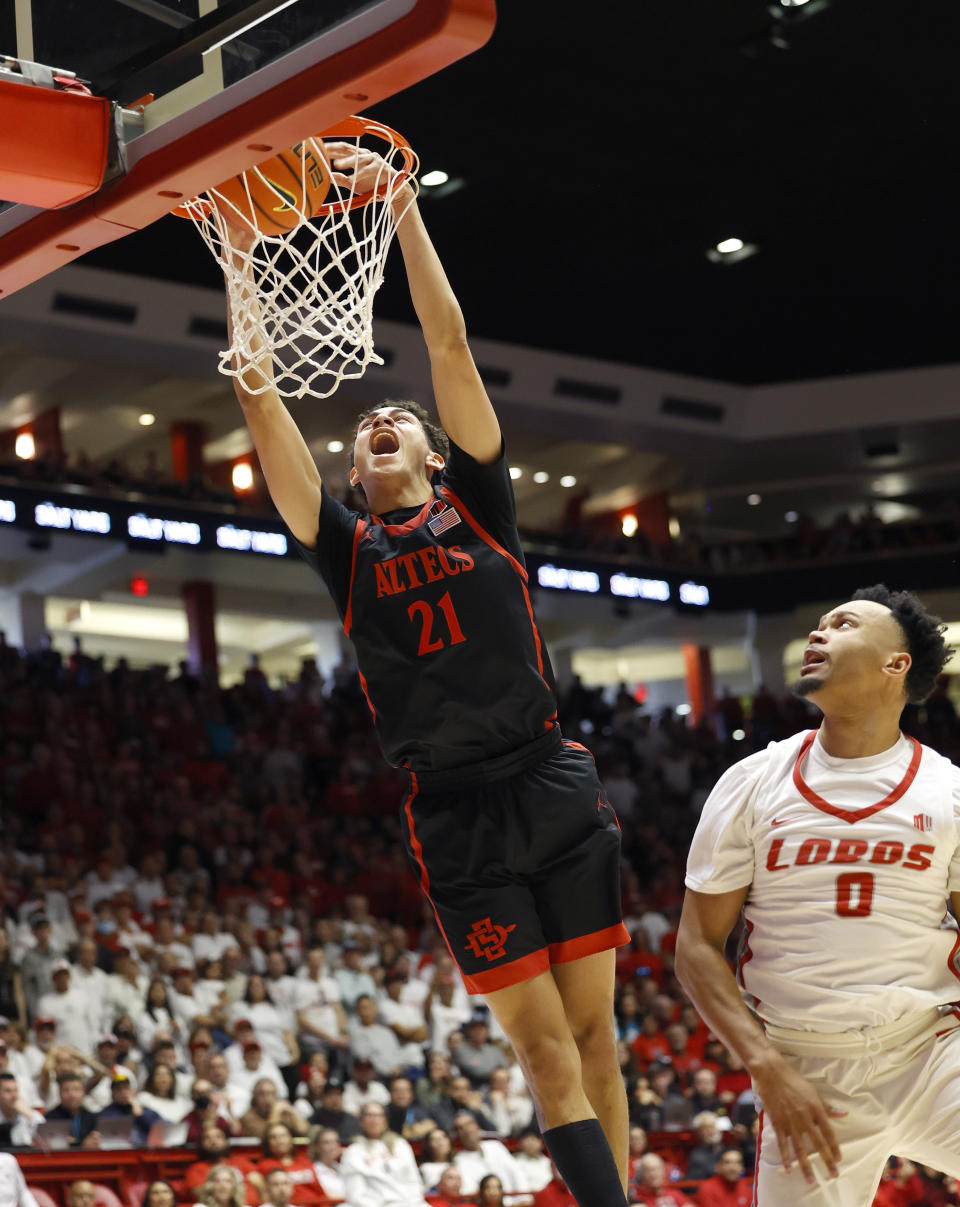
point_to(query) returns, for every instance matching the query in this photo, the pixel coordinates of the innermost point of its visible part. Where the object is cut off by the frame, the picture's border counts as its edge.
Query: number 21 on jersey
(420, 612)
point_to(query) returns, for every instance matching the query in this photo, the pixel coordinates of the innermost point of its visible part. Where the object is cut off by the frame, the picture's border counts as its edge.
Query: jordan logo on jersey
(442, 517)
(923, 821)
(487, 939)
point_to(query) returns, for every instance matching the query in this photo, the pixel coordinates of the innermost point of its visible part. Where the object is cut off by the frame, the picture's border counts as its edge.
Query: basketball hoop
(303, 258)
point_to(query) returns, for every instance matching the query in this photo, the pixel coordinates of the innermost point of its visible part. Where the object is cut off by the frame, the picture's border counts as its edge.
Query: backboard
(233, 81)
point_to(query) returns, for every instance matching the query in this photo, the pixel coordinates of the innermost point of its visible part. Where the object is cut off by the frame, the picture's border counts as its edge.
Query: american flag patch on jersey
(442, 517)
(923, 821)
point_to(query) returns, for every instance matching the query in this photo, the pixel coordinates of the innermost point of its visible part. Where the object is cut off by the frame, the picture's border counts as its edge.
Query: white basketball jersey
(849, 863)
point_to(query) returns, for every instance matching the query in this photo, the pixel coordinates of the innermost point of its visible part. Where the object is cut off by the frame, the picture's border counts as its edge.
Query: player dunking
(506, 824)
(841, 847)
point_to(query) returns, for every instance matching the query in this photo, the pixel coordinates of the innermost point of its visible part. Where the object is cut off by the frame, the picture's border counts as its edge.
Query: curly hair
(437, 438)
(928, 651)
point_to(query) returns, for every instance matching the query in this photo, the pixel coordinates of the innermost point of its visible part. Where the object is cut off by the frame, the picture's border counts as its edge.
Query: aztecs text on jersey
(849, 862)
(451, 660)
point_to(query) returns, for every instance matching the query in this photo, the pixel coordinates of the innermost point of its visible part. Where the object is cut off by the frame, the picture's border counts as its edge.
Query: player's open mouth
(811, 660)
(384, 442)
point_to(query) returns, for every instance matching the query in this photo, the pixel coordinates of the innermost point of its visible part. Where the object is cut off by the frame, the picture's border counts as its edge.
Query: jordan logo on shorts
(486, 939)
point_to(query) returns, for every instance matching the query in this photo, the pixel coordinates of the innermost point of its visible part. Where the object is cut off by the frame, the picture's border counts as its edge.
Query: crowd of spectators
(211, 938)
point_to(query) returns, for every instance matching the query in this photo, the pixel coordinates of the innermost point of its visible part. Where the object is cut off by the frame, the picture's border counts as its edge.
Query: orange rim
(354, 127)
(350, 127)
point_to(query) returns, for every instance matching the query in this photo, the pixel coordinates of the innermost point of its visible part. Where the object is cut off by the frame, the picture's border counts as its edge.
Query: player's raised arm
(795, 1110)
(465, 411)
(288, 466)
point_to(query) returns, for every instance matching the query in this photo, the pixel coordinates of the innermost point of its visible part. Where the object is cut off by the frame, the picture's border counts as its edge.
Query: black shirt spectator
(70, 1109)
(331, 1114)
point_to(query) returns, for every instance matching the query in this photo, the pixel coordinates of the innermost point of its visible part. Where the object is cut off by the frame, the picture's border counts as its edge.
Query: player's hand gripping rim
(357, 169)
(800, 1120)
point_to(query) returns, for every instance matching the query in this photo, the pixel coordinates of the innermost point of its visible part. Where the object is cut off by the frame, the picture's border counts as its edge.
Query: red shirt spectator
(306, 1185)
(901, 1188)
(554, 1194)
(214, 1150)
(728, 1187)
(650, 1186)
(650, 1043)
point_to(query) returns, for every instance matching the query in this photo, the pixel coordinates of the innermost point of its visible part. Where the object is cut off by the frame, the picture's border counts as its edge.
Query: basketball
(277, 194)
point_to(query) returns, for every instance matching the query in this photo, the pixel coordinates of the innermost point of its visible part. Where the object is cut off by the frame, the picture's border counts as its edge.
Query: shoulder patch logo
(487, 939)
(442, 517)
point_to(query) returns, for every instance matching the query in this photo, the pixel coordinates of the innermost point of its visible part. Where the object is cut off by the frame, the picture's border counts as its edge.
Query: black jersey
(435, 600)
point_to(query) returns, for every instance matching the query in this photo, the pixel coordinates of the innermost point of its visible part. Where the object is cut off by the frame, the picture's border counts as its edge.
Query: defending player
(840, 846)
(507, 825)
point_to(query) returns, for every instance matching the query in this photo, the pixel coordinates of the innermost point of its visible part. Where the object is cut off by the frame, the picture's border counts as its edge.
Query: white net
(303, 299)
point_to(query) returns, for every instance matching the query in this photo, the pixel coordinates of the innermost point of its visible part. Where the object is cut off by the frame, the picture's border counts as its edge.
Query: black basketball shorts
(521, 873)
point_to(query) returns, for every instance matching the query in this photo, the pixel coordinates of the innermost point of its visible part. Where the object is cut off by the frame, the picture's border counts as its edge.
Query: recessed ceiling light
(24, 446)
(791, 517)
(568, 480)
(731, 251)
(629, 524)
(753, 500)
(334, 446)
(541, 476)
(516, 472)
(147, 420)
(431, 179)
(673, 527)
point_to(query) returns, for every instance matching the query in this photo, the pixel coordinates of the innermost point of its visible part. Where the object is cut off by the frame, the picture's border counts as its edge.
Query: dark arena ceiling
(604, 149)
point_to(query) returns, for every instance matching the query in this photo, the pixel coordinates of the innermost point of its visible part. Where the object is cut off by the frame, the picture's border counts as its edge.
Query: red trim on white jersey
(852, 815)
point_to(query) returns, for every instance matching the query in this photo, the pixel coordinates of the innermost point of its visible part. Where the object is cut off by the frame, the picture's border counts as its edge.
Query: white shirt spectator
(355, 1096)
(149, 1026)
(536, 1172)
(431, 1171)
(72, 1011)
(283, 991)
(352, 984)
(331, 1180)
(317, 999)
(185, 1007)
(93, 982)
(268, 1024)
(492, 1157)
(145, 892)
(376, 1177)
(655, 926)
(242, 1079)
(180, 953)
(124, 998)
(170, 1110)
(378, 1044)
(209, 995)
(13, 1186)
(211, 947)
(411, 1054)
(444, 1020)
